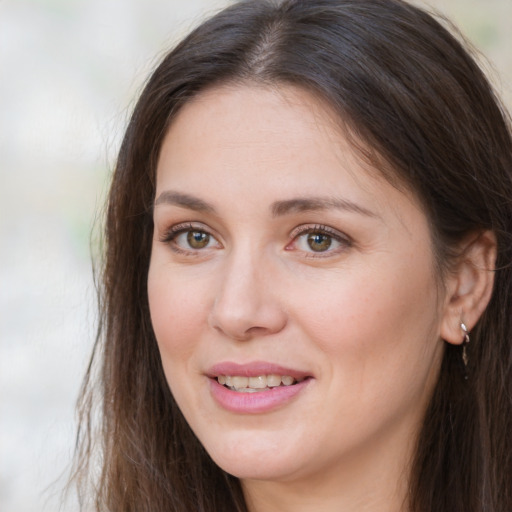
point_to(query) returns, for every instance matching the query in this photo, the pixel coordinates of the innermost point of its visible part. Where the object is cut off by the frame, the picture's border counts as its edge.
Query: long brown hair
(409, 91)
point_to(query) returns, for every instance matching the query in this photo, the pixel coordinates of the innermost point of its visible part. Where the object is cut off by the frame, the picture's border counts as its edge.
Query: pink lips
(261, 401)
(253, 370)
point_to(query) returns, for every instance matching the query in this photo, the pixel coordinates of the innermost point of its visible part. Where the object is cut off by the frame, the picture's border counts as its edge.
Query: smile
(243, 384)
(257, 387)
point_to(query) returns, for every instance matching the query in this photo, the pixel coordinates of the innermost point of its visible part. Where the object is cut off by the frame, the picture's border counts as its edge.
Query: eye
(318, 242)
(188, 239)
(194, 239)
(318, 239)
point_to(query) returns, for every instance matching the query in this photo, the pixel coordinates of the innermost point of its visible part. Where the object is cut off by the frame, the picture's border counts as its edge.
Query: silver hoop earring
(465, 342)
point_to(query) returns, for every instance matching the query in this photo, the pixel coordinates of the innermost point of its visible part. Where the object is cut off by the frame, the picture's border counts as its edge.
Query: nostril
(245, 306)
(249, 326)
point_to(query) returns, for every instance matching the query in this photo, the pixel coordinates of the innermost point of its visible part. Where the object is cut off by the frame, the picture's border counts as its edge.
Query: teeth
(258, 382)
(273, 381)
(240, 382)
(254, 384)
(287, 380)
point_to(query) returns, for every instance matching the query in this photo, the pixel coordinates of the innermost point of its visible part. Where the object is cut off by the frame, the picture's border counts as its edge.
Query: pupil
(319, 242)
(198, 239)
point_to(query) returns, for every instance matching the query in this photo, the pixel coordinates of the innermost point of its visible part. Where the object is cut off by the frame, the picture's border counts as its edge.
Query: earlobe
(469, 287)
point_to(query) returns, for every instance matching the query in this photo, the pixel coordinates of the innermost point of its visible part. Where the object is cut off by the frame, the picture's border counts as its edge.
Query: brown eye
(198, 239)
(186, 239)
(319, 242)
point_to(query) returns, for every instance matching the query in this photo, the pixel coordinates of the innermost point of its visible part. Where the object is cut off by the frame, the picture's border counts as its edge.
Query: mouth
(256, 387)
(257, 384)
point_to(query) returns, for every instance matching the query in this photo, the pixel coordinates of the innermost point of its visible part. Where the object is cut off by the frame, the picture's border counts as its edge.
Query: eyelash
(169, 237)
(344, 241)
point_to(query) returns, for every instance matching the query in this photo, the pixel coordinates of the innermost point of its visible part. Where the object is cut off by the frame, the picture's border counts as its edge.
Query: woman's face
(283, 268)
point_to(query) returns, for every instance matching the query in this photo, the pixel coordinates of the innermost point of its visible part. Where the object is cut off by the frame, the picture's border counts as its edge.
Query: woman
(306, 298)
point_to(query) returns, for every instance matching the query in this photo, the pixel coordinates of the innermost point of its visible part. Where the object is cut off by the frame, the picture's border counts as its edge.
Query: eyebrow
(278, 208)
(311, 204)
(185, 201)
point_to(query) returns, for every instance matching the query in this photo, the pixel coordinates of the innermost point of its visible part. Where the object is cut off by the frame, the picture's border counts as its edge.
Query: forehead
(233, 122)
(281, 140)
(256, 114)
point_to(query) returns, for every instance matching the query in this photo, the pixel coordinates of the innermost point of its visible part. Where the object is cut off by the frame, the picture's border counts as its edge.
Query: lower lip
(258, 402)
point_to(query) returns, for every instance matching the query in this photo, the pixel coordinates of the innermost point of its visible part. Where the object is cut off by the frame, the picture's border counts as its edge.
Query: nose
(247, 304)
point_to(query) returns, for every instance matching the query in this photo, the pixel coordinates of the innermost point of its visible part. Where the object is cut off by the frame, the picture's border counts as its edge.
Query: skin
(364, 318)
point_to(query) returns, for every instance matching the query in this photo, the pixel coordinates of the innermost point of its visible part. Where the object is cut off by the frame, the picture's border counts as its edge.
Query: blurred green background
(69, 73)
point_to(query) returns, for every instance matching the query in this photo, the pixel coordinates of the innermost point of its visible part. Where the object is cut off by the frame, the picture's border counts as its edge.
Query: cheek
(176, 314)
(377, 340)
(374, 321)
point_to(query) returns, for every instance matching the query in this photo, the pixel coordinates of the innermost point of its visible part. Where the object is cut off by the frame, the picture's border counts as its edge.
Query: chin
(265, 459)
(258, 469)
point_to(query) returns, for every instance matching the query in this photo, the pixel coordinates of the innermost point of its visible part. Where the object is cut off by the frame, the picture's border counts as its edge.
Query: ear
(469, 286)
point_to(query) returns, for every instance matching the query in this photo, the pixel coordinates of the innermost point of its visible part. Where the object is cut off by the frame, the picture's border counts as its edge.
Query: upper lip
(254, 369)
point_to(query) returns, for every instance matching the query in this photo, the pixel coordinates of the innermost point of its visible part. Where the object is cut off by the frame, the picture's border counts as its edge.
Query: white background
(69, 73)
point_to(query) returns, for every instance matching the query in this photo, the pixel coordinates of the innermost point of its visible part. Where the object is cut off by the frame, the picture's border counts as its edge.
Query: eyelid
(319, 228)
(173, 231)
(170, 234)
(339, 236)
(308, 228)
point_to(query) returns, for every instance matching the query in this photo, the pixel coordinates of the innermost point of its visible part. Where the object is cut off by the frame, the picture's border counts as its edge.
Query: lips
(256, 387)
(255, 369)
